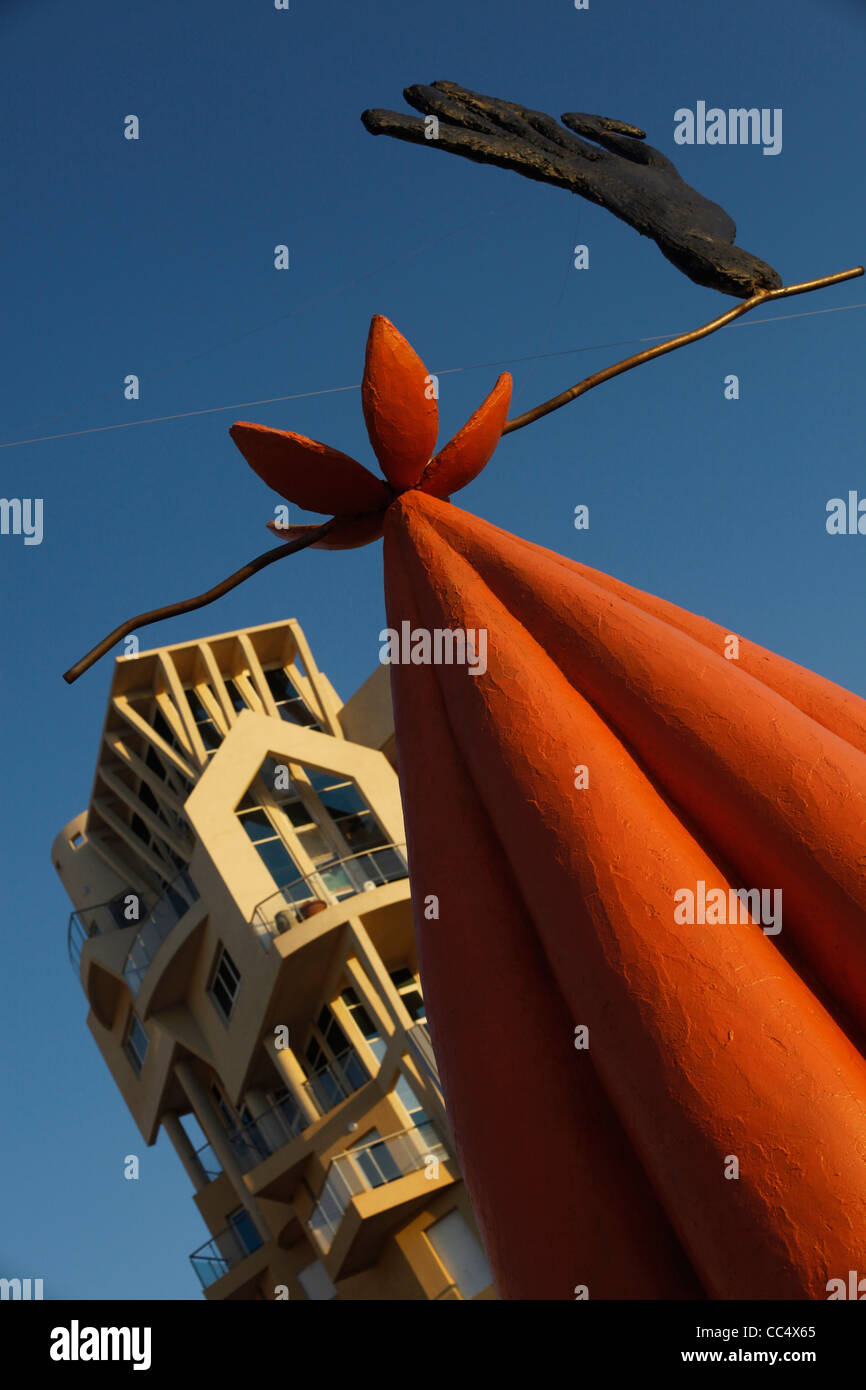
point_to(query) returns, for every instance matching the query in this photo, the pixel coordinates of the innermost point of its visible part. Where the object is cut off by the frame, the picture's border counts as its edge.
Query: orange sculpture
(639, 875)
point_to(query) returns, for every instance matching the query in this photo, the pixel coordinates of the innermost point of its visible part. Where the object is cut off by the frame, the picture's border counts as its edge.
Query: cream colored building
(244, 938)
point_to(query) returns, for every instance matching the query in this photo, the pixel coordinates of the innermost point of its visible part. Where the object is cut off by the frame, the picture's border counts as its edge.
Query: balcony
(93, 921)
(177, 899)
(335, 1082)
(329, 883)
(256, 1141)
(366, 1168)
(261, 1138)
(214, 1259)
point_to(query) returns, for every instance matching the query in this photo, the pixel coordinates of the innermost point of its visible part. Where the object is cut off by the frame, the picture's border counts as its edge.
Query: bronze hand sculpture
(634, 181)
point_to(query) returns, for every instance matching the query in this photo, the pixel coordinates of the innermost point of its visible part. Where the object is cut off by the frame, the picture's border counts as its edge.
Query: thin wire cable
(694, 335)
(445, 371)
(310, 303)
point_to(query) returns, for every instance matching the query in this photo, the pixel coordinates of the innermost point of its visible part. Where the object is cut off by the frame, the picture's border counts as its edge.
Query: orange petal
(464, 456)
(348, 534)
(309, 474)
(399, 405)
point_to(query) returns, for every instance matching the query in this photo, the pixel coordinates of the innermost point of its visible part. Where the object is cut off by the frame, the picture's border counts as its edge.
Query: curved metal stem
(188, 605)
(661, 348)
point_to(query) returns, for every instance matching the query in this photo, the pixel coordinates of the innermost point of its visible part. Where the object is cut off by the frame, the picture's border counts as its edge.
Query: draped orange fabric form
(638, 865)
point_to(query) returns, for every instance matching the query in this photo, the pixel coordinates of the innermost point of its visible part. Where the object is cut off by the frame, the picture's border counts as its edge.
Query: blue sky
(155, 257)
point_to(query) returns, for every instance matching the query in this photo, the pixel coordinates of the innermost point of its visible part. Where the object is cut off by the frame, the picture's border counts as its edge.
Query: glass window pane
(297, 813)
(377, 1165)
(336, 1038)
(415, 1005)
(343, 801)
(296, 711)
(222, 996)
(198, 710)
(320, 781)
(337, 881)
(235, 696)
(354, 1072)
(279, 684)
(315, 844)
(362, 832)
(363, 1021)
(245, 1230)
(326, 1090)
(210, 735)
(257, 825)
(278, 862)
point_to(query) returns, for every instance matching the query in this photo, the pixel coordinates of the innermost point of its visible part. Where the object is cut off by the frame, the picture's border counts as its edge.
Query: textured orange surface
(707, 1041)
(608, 1167)
(399, 405)
(317, 478)
(465, 455)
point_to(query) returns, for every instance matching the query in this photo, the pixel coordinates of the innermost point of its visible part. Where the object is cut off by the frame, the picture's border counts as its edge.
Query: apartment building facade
(242, 931)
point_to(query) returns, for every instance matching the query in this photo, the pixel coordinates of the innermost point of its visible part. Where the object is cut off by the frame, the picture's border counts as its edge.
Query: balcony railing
(327, 884)
(93, 921)
(366, 1167)
(419, 1037)
(214, 1259)
(256, 1141)
(177, 899)
(337, 1081)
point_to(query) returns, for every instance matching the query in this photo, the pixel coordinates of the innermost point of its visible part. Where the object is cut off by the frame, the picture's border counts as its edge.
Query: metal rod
(763, 297)
(189, 605)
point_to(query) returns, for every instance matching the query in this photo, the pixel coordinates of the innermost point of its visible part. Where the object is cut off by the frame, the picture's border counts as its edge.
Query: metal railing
(208, 1162)
(93, 921)
(327, 884)
(336, 1081)
(216, 1257)
(366, 1167)
(256, 1141)
(422, 1047)
(177, 899)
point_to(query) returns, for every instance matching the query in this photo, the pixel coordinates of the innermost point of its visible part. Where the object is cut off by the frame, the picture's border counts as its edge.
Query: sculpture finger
(536, 128)
(617, 136)
(433, 101)
(504, 151)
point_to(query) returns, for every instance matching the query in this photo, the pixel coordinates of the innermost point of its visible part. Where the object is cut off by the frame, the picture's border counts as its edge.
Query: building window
(460, 1254)
(236, 696)
(288, 1109)
(204, 722)
(348, 810)
(244, 1228)
(410, 1103)
(362, 1020)
(135, 1045)
(335, 1070)
(168, 774)
(409, 990)
(166, 733)
(226, 980)
(268, 842)
(288, 699)
(294, 814)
